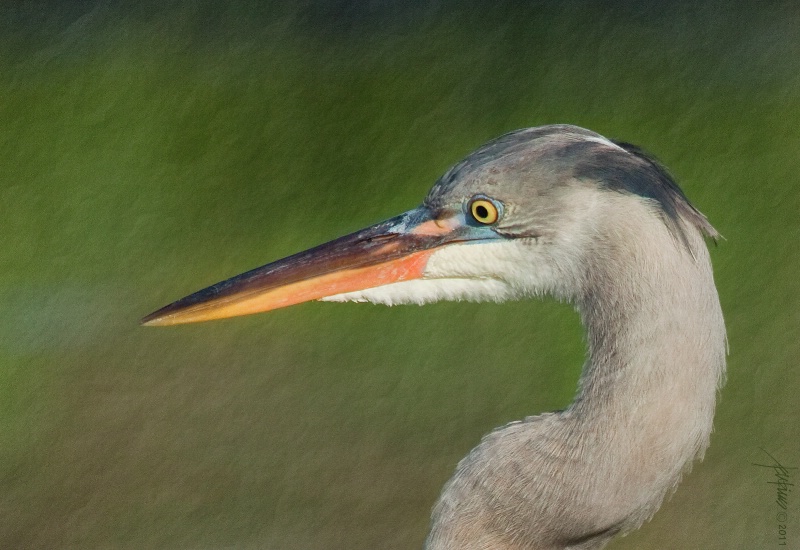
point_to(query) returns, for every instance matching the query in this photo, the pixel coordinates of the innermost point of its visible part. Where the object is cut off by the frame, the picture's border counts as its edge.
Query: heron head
(515, 218)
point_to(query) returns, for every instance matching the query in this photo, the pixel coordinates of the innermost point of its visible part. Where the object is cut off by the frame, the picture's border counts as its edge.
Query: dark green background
(148, 151)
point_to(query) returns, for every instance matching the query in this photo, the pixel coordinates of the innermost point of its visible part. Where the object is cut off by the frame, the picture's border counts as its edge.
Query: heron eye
(484, 211)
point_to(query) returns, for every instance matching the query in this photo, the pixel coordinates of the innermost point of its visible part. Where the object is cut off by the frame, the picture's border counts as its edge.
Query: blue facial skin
(466, 230)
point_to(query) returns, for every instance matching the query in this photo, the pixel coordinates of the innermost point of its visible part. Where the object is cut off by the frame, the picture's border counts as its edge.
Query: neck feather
(656, 339)
(657, 349)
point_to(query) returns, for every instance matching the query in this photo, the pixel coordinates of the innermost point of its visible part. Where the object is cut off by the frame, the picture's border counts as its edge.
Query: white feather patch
(425, 291)
(491, 271)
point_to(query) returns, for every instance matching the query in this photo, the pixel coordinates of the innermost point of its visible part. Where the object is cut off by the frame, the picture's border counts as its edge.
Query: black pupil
(481, 212)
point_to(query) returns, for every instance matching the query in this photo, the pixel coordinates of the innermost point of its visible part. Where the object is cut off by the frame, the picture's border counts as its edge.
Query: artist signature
(782, 480)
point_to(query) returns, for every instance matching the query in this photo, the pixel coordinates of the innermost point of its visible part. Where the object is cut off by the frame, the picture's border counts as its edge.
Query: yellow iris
(484, 211)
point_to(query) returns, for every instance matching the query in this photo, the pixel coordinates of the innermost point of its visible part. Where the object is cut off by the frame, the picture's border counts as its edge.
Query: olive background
(149, 149)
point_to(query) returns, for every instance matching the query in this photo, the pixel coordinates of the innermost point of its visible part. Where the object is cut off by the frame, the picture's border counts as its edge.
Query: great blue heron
(554, 210)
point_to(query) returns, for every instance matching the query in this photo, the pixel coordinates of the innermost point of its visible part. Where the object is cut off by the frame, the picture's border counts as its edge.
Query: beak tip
(155, 319)
(148, 321)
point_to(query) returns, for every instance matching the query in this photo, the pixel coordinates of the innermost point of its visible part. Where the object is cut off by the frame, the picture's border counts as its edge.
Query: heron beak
(392, 251)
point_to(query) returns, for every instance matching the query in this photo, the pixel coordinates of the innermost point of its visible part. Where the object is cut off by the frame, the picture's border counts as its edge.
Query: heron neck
(657, 349)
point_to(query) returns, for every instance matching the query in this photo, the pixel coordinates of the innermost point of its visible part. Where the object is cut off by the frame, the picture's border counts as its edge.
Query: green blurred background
(150, 150)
